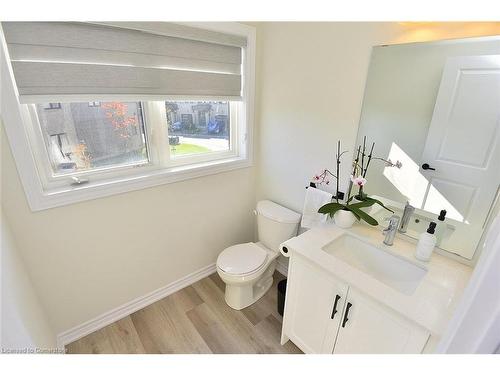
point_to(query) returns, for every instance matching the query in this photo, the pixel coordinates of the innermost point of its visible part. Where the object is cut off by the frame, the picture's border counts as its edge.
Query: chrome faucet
(407, 213)
(390, 231)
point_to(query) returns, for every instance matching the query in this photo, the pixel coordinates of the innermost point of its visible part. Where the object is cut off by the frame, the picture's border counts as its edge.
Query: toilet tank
(275, 224)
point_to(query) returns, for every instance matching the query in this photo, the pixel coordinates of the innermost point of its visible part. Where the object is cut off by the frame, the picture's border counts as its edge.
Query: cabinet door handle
(349, 304)
(334, 311)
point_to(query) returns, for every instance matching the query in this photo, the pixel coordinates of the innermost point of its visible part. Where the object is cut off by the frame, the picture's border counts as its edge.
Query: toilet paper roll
(284, 250)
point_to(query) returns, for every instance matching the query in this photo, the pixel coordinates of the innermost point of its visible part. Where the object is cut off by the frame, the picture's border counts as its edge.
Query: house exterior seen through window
(197, 127)
(80, 137)
(86, 136)
(52, 106)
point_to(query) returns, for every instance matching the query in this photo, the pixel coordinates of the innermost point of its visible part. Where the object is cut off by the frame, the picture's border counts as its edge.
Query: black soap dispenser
(440, 227)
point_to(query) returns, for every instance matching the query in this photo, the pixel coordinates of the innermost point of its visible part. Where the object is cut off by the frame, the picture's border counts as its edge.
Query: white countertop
(433, 302)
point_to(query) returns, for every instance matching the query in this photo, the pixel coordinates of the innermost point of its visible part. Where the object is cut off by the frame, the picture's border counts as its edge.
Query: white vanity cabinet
(313, 308)
(325, 315)
(372, 328)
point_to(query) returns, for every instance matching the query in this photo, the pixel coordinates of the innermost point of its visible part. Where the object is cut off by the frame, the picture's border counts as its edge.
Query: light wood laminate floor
(195, 319)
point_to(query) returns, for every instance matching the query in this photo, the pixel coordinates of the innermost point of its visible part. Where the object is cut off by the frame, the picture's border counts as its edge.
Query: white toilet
(248, 268)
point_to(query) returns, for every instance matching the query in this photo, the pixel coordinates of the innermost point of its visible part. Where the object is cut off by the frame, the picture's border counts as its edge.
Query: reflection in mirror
(435, 107)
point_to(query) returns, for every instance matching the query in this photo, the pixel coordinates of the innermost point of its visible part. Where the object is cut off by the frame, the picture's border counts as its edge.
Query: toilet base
(241, 295)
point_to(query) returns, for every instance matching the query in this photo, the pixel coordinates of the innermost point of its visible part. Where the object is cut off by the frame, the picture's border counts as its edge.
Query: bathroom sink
(389, 269)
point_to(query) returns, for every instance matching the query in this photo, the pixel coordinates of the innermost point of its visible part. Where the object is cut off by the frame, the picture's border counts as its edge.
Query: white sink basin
(389, 269)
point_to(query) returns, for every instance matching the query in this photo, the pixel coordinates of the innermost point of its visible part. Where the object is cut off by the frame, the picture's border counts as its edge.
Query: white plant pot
(344, 219)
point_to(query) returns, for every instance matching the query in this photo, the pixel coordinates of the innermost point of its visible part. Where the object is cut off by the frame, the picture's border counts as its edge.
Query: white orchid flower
(359, 180)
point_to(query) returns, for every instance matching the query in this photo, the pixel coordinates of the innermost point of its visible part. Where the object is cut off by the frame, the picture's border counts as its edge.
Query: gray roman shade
(143, 59)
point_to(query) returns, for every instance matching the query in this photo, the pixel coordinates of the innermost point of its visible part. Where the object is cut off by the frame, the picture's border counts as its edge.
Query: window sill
(69, 195)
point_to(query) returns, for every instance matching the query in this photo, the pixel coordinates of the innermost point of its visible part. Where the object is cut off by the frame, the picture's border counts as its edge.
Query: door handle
(426, 167)
(334, 311)
(346, 314)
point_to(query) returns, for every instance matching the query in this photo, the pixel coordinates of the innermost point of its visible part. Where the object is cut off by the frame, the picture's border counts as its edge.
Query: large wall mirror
(435, 107)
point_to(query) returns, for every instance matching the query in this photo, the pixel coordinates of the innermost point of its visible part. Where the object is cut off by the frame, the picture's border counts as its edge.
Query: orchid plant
(360, 169)
(358, 179)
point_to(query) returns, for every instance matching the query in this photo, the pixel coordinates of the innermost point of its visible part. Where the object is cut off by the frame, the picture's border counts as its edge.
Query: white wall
(24, 322)
(311, 83)
(88, 258)
(475, 327)
(312, 77)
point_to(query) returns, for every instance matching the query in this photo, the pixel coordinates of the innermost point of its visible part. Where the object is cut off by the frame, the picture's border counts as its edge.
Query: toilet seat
(242, 259)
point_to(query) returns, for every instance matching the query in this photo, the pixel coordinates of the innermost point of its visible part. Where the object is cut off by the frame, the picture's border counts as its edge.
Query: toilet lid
(241, 259)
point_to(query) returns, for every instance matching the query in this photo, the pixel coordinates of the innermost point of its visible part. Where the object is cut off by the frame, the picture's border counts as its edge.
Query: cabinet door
(373, 328)
(313, 308)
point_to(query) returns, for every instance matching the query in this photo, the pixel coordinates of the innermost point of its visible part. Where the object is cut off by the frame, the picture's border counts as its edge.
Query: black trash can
(281, 296)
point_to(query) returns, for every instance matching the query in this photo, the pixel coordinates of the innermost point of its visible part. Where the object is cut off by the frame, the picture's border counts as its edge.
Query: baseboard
(282, 267)
(128, 308)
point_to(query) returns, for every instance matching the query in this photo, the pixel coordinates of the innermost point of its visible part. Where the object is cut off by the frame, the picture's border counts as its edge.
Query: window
(80, 138)
(92, 129)
(197, 127)
(110, 141)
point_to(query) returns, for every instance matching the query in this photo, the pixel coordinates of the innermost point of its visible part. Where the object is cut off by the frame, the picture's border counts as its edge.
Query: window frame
(35, 168)
(158, 149)
(50, 181)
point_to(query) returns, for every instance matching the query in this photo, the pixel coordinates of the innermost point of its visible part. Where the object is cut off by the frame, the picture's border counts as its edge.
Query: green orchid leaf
(379, 203)
(330, 208)
(355, 214)
(366, 203)
(363, 215)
